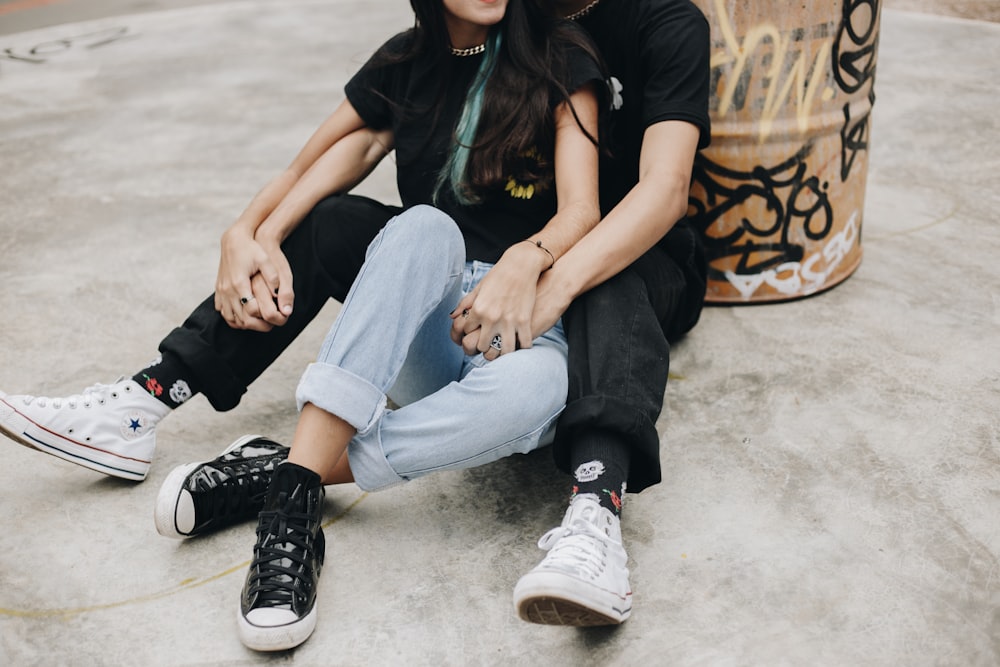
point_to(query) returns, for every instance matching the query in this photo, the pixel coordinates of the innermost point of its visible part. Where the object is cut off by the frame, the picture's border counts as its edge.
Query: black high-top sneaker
(278, 605)
(199, 498)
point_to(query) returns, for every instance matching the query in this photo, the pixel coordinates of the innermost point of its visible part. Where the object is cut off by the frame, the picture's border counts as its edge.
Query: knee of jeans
(425, 229)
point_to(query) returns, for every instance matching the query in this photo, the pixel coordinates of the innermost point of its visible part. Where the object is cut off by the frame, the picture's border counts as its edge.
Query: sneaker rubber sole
(22, 430)
(174, 513)
(277, 637)
(550, 598)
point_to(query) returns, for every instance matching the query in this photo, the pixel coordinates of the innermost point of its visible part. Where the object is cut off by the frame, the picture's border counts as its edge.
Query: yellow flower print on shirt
(519, 190)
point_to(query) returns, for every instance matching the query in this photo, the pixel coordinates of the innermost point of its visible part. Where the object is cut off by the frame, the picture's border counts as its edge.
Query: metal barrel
(779, 194)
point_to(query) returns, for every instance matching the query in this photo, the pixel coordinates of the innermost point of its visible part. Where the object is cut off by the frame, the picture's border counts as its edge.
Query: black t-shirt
(657, 53)
(403, 96)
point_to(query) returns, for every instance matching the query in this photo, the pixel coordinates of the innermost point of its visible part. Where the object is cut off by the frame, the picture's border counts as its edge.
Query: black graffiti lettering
(854, 136)
(41, 53)
(49, 48)
(789, 198)
(854, 62)
(856, 44)
(104, 37)
(8, 54)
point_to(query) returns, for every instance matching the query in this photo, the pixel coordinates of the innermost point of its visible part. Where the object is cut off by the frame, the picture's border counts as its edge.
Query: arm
(642, 218)
(340, 168)
(242, 257)
(503, 301)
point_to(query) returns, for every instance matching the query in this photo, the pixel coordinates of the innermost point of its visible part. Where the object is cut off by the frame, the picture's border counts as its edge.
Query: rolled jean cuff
(341, 393)
(369, 466)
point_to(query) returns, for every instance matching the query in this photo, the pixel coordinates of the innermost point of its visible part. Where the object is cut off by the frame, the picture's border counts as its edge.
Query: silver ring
(465, 313)
(246, 299)
(496, 343)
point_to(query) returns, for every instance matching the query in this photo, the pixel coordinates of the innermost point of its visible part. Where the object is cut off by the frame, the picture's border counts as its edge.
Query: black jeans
(619, 336)
(325, 252)
(618, 332)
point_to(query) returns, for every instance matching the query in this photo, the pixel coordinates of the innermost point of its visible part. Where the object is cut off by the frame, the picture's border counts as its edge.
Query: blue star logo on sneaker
(133, 425)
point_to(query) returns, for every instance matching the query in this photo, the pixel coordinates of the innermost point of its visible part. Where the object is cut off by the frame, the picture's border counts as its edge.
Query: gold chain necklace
(471, 51)
(476, 50)
(580, 13)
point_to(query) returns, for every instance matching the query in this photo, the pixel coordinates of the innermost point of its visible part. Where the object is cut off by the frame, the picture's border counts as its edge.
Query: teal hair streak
(452, 174)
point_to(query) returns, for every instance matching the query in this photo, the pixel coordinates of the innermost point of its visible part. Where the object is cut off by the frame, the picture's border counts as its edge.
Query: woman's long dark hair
(525, 82)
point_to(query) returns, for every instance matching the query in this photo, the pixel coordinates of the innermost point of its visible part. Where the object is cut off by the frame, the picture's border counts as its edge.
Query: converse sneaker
(583, 580)
(198, 498)
(278, 605)
(109, 428)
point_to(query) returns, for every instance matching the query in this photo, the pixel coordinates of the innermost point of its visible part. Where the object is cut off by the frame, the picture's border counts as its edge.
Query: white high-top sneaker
(584, 579)
(109, 428)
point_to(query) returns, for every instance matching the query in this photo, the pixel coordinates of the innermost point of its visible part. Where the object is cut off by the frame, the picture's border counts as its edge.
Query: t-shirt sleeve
(371, 90)
(676, 56)
(583, 69)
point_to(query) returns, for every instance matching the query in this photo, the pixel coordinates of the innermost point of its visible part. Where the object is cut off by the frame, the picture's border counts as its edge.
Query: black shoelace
(284, 558)
(241, 495)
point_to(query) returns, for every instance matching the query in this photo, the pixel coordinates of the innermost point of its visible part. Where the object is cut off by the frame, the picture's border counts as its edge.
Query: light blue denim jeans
(391, 338)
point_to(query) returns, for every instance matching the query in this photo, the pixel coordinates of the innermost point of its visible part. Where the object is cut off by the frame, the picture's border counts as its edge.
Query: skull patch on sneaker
(133, 425)
(588, 472)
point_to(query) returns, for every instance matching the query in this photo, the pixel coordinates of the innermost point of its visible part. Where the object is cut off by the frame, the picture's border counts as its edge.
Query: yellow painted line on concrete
(950, 215)
(185, 585)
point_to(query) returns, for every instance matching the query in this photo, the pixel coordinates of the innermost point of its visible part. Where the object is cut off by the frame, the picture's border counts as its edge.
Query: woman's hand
(247, 279)
(500, 305)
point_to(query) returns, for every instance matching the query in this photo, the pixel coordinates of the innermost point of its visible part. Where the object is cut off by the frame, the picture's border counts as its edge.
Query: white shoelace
(97, 393)
(573, 548)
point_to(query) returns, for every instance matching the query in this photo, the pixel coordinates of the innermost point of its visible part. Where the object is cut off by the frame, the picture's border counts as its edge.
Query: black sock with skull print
(168, 380)
(599, 464)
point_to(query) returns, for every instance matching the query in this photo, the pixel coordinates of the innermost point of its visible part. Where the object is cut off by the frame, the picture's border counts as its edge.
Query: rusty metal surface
(779, 195)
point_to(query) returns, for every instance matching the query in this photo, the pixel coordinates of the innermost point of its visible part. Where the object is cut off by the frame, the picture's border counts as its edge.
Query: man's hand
(552, 298)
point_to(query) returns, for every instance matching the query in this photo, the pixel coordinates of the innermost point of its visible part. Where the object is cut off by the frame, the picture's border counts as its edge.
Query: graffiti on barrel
(791, 113)
(854, 60)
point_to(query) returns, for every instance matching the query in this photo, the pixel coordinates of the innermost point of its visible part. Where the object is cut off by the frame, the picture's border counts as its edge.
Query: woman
(492, 107)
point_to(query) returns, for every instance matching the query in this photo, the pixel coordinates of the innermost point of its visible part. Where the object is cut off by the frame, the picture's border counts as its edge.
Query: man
(634, 283)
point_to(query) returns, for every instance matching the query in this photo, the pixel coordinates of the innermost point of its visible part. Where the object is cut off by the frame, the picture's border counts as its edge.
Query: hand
(500, 305)
(273, 300)
(236, 299)
(552, 298)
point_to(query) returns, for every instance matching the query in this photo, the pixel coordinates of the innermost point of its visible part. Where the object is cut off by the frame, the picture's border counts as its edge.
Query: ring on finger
(246, 299)
(497, 343)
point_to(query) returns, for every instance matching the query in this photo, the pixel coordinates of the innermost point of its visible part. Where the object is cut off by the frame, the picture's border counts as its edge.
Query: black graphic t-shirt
(403, 96)
(657, 53)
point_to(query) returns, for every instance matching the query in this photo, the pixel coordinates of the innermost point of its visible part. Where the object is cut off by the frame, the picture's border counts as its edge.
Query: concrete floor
(832, 478)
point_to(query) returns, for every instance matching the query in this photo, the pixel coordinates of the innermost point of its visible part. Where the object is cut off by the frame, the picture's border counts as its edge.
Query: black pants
(618, 332)
(325, 252)
(619, 336)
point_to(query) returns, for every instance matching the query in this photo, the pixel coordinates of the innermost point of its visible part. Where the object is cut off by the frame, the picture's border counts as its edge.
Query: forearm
(341, 123)
(562, 232)
(340, 168)
(263, 204)
(642, 217)
(576, 179)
